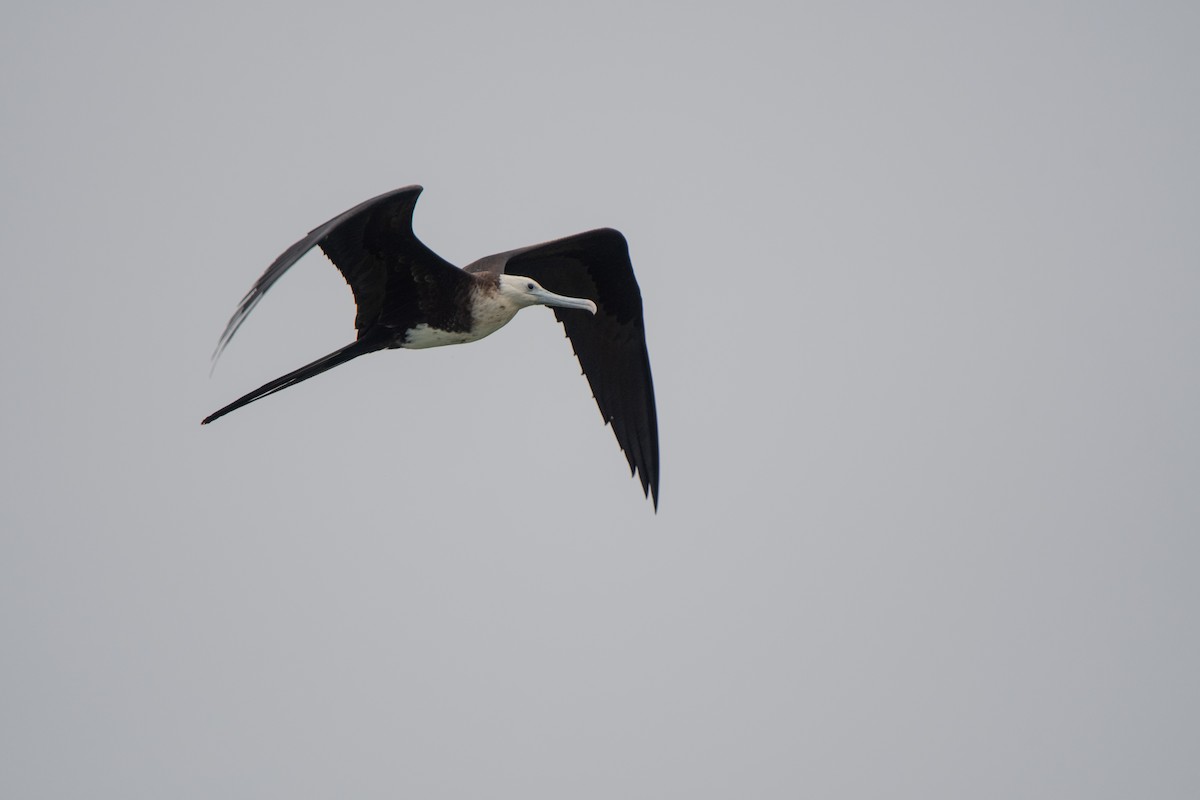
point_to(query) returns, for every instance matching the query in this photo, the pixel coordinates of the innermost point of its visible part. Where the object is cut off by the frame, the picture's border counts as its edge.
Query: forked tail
(351, 351)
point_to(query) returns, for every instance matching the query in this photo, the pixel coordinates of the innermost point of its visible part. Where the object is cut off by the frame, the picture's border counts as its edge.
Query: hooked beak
(559, 301)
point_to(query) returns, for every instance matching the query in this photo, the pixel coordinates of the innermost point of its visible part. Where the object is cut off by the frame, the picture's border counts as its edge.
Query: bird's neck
(490, 309)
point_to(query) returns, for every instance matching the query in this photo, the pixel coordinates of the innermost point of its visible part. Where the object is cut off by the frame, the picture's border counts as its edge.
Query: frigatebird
(409, 297)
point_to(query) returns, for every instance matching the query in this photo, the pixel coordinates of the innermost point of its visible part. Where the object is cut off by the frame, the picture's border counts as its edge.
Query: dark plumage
(407, 297)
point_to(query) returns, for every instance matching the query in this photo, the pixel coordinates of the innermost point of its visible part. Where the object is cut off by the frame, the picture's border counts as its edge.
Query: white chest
(490, 313)
(425, 336)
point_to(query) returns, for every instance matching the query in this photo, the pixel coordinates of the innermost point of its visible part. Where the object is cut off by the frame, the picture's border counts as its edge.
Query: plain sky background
(922, 285)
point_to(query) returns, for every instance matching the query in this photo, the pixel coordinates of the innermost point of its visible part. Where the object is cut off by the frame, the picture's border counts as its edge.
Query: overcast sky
(922, 285)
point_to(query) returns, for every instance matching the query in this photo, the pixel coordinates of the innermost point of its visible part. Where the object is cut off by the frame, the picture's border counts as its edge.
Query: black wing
(365, 244)
(611, 344)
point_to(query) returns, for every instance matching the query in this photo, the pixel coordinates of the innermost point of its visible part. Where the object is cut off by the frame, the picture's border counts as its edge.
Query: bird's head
(524, 292)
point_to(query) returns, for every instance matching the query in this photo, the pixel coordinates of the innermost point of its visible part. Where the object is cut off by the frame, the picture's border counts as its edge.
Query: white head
(523, 292)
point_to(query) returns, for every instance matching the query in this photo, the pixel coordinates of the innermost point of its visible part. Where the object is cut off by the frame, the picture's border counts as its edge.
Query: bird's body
(488, 308)
(408, 297)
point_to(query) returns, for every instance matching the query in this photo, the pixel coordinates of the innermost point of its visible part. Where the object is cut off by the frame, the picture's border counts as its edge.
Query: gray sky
(922, 284)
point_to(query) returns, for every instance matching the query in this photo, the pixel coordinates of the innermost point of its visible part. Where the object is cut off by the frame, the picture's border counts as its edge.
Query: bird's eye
(529, 287)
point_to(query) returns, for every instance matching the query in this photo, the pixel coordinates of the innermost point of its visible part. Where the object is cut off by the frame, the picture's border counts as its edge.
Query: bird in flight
(407, 296)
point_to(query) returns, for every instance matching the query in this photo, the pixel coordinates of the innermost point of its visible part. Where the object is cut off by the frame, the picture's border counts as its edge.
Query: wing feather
(611, 344)
(363, 243)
